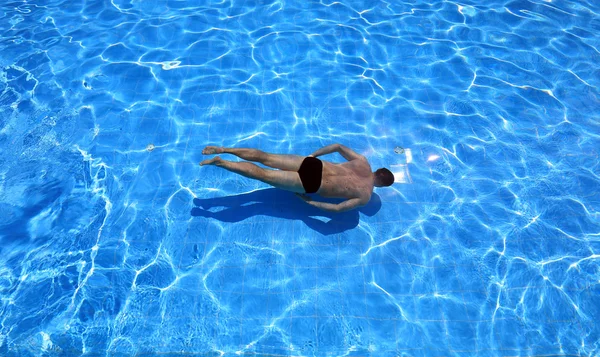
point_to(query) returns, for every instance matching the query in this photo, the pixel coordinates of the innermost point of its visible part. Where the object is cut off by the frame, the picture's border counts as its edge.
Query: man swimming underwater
(352, 180)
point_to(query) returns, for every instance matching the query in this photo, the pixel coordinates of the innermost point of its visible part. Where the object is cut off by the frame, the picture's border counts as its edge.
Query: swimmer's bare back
(352, 180)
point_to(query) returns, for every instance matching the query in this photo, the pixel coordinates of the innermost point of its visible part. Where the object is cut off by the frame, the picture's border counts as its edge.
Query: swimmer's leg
(285, 180)
(282, 162)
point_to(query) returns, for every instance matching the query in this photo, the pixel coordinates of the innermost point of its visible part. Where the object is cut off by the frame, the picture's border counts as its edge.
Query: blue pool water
(115, 242)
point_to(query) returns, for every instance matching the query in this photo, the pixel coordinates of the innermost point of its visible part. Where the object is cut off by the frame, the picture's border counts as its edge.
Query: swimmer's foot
(214, 161)
(210, 150)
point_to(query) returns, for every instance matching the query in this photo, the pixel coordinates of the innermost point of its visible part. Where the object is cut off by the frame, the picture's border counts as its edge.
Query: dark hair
(385, 176)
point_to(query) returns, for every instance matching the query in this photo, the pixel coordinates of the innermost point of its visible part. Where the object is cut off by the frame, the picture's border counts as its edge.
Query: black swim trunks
(311, 172)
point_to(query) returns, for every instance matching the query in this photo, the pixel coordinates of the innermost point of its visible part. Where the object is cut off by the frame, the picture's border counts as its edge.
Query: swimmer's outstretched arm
(346, 152)
(332, 207)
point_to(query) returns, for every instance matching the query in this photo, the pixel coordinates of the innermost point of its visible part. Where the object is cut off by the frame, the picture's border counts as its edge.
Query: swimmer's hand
(346, 152)
(331, 207)
(304, 197)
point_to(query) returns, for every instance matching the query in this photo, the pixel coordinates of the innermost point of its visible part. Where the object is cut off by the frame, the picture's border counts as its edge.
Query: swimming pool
(113, 241)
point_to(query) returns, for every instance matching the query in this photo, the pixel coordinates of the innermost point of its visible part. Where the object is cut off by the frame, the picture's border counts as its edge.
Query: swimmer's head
(383, 177)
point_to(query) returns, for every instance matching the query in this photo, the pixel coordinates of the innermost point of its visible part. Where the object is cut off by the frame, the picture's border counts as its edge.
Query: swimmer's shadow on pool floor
(281, 204)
